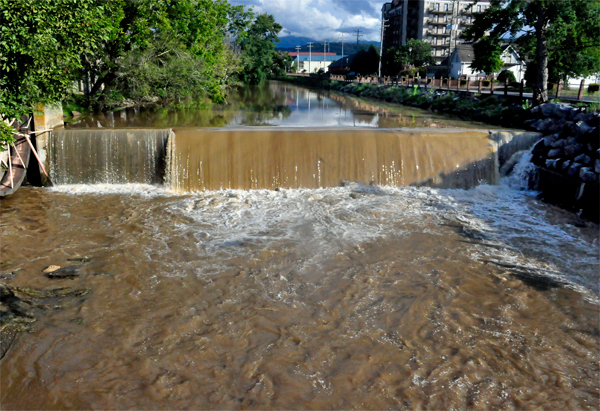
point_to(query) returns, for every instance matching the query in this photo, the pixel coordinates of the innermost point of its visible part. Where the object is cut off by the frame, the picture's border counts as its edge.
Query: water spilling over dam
(187, 160)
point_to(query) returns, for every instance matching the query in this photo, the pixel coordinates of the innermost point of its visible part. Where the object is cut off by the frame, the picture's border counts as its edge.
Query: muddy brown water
(353, 297)
(303, 299)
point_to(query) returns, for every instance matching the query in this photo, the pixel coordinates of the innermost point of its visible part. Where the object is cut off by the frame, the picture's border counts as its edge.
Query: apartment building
(439, 22)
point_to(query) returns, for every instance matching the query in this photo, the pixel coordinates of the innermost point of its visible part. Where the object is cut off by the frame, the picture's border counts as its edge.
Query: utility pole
(383, 26)
(357, 31)
(342, 38)
(324, 53)
(309, 55)
(298, 48)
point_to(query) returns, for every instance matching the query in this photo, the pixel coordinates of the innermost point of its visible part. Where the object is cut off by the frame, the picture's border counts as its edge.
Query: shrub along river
(230, 269)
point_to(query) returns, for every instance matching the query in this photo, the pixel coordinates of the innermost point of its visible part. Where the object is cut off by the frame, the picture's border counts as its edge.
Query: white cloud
(322, 19)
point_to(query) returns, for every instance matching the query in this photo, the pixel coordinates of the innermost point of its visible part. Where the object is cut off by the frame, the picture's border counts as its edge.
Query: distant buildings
(461, 58)
(439, 22)
(312, 62)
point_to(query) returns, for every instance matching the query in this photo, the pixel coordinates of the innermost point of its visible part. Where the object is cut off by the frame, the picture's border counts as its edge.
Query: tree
(366, 62)
(261, 59)
(487, 55)
(549, 27)
(41, 43)
(157, 34)
(416, 53)
(507, 75)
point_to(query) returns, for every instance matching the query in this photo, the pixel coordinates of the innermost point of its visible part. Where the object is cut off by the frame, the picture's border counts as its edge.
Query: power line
(309, 55)
(298, 48)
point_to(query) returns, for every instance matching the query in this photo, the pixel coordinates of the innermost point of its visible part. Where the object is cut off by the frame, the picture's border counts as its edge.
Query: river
(415, 292)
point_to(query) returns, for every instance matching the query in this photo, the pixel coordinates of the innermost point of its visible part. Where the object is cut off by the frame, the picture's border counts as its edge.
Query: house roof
(343, 61)
(466, 54)
(317, 57)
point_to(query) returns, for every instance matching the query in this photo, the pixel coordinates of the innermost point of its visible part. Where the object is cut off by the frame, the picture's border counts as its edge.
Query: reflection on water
(277, 104)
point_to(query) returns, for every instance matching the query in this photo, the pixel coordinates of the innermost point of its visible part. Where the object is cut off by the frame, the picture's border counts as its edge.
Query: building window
(446, 7)
(434, 51)
(478, 9)
(437, 6)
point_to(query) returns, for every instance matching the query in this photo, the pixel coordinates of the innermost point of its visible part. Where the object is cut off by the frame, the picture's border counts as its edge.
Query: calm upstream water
(406, 294)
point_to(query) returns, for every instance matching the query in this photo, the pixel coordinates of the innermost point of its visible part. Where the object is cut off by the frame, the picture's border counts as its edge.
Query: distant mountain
(292, 42)
(349, 48)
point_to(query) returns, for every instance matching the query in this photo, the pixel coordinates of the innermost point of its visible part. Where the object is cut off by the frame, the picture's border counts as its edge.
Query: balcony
(466, 23)
(441, 23)
(433, 11)
(440, 34)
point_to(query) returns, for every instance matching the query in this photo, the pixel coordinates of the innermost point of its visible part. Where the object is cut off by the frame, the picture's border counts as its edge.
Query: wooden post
(558, 89)
(479, 86)
(458, 84)
(506, 86)
(521, 88)
(468, 85)
(492, 86)
(426, 80)
(580, 95)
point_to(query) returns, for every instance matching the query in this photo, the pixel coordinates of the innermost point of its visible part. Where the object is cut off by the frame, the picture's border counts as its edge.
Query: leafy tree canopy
(41, 43)
(414, 55)
(366, 62)
(260, 57)
(565, 32)
(487, 55)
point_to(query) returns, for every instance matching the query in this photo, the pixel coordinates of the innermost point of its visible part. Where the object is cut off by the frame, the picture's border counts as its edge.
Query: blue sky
(322, 19)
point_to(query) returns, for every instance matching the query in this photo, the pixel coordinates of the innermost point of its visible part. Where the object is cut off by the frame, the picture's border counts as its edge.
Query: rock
(559, 143)
(574, 169)
(583, 128)
(75, 113)
(549, 140)
(551, 163)
(66, 272)
(545, 124)
(573, 150)
(571, 140)
(51, 268)
(554, 153)
(580, 117)
(565, 165)
(583, 159)
(587, 175)
(597, 166)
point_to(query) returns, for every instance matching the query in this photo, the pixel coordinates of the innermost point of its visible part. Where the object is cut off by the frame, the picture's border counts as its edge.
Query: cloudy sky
(322, 19)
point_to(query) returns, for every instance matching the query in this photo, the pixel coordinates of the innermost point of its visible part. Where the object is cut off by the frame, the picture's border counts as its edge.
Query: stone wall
(568, 157)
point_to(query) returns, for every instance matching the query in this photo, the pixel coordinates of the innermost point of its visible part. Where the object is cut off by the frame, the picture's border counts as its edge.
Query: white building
(438, 22)
(461, 58)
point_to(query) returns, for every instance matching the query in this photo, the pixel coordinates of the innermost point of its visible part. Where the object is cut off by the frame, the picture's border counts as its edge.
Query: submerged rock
(66, 272)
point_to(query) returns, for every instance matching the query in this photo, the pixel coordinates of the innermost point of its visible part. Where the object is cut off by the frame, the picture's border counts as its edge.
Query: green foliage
(6, 135)
(507, 74)
(487, 55)
(415, 54)
(366, 62)
(41, 43)
(561, 37)
(260, 58)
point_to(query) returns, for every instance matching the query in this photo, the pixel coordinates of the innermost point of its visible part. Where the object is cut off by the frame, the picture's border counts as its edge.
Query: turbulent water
(300, 297)
(350, 297)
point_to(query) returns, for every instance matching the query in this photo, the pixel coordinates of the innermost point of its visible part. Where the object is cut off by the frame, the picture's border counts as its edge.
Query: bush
(593, 88)
(463, 82)
(486, 83)
(507, 74)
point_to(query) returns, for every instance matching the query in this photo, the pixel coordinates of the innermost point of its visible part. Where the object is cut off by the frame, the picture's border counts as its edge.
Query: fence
(462, 85)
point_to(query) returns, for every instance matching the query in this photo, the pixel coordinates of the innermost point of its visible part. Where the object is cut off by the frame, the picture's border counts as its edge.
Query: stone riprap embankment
(568, 157)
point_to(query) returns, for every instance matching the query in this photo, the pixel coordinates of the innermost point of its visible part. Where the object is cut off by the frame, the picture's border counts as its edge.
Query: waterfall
(108, 156)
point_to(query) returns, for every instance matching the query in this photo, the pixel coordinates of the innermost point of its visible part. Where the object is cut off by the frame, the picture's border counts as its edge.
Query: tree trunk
(541, 83)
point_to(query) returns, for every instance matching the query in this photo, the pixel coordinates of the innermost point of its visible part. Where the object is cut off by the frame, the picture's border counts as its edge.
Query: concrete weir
(197, 159)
